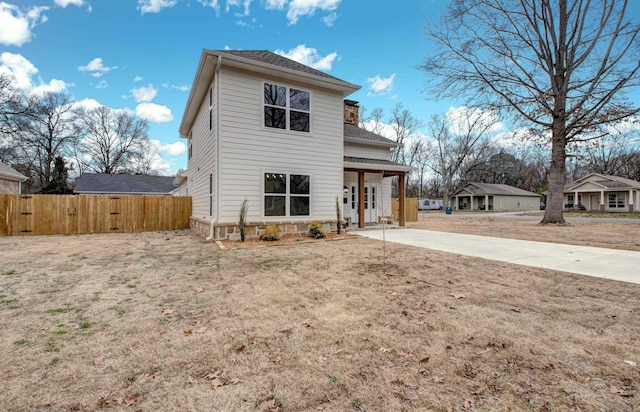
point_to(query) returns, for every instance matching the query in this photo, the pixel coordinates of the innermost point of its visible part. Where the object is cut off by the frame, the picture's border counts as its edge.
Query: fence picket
(73, 214)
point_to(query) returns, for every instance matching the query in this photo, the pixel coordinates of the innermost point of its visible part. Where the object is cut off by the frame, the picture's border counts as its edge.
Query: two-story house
(281, 135)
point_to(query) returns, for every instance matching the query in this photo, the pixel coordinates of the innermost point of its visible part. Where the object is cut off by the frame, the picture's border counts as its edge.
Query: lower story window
(616, 200)
(287, 194)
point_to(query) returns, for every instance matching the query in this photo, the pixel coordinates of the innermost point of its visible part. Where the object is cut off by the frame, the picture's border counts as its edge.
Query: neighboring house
(10, 180)
(119, 184)
(279, 134)
(488, 196)
(604, 193)
(180, 182)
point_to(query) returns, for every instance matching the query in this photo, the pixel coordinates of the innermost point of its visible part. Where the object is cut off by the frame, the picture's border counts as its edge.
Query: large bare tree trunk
(554, 206)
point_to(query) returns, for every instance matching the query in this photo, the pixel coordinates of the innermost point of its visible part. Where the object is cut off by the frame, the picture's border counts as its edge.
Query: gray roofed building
(498, 197)
(121, 184)
(604, 193)
(10, 180)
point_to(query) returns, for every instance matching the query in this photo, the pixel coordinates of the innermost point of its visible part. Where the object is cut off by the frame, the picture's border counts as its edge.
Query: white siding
(202, 162)
(248, 149)
(367, 152)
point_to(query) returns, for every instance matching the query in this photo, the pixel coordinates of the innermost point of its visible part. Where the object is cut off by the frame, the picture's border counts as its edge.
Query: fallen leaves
(457, 295)
(219, 378)
(620, 392)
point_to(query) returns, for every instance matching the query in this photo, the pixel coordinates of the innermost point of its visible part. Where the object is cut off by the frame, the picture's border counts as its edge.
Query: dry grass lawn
(596, 234)
(166, 321)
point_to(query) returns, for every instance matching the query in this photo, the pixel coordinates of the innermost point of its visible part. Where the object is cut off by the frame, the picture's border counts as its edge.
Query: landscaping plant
(244, 208)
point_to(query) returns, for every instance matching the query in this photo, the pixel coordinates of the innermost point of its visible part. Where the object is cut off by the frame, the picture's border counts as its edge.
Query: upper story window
(286, 108)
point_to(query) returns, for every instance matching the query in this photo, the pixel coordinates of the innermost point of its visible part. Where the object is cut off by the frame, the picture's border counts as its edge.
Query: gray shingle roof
(373, 161)
(117, 183)
(481, 189)
(265, 56)
(355, 132)
(606, 181)
(10, 174)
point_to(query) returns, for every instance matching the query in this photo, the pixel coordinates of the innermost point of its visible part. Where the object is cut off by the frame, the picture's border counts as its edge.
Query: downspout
(216, 89)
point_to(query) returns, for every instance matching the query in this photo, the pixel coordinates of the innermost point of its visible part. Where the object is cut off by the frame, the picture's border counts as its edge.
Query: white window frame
(287, 108)
(287, 195)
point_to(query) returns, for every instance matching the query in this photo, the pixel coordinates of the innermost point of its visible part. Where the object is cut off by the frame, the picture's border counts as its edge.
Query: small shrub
(316, 231)
(338, 215)
(244, 208)
(271, 233)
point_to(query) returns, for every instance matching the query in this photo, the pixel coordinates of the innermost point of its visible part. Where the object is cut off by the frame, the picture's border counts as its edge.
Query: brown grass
(596, 234)
(166, 321)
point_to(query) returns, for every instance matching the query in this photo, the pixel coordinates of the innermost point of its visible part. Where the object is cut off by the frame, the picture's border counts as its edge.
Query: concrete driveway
(621, 265)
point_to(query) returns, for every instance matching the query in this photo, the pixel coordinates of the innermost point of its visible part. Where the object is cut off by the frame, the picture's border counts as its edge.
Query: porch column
(575, 200)
(602, 200)
(401, 212)
(486, 202)
(361, 200)
(471, 202)
(630, 200)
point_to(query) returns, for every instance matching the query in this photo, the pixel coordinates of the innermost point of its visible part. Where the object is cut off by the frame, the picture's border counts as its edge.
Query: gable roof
(257, 61)
(7, 172)
(355, 134)
(483, 189)
(607, 182)
(100, 183)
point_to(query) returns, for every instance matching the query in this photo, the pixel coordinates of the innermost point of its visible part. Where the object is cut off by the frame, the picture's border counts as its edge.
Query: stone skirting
(231, 231)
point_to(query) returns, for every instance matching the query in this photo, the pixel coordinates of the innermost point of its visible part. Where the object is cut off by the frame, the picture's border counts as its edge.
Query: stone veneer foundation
(231, 231)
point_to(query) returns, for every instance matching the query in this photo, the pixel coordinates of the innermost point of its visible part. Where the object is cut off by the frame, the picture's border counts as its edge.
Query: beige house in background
(497, 197)
(281, 135)
(10, 180)
(604, 193)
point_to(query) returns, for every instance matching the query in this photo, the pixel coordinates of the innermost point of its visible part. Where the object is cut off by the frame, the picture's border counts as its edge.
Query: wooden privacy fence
(410, 209)
(73, 214)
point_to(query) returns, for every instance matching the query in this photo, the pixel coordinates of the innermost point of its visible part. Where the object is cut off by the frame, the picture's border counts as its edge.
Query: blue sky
(142, 55)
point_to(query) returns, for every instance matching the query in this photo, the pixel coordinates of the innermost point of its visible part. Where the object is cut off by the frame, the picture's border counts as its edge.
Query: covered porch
(367, 190)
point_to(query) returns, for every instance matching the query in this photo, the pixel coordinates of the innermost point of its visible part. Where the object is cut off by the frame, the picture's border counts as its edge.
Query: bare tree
(404, 125)
(110, 140)
(47, 131)
(372, 122)
(462, 141)
(559, 66)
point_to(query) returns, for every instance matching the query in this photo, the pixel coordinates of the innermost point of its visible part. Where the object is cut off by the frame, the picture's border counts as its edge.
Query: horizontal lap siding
(203, 160)
(367, 152)
(248, 149)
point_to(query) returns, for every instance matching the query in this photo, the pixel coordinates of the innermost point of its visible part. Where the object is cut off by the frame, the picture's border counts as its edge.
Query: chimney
(351, 112)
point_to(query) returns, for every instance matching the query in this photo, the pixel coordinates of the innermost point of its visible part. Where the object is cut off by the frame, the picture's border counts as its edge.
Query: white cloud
(16, 24)
(154, 6)
(330, 19)
(88, 104)
(300, 8)
(138, 79)
(53, 86)
(144, 94)
(380, 86)
(174, 149)
(102, 85)
(65, 3)
(276, 4)
(182, 88)
(23, 71)
(96, 67)
(310, 57)
(237, 3)
(461, 117)
(214, 4)
(154, 112)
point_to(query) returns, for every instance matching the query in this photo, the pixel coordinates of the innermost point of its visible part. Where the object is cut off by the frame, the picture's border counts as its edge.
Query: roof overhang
(367, 142)
(209, 59)
(372, 167)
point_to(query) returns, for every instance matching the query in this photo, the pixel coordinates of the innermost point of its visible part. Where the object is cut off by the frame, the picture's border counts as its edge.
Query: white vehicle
(430, 204)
